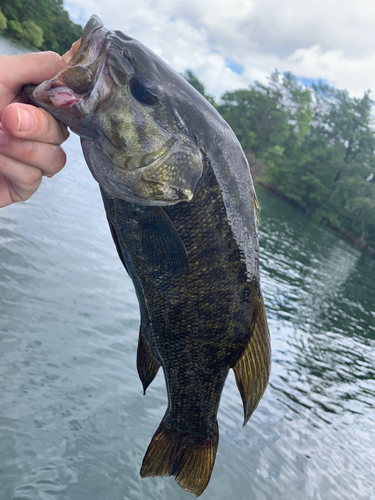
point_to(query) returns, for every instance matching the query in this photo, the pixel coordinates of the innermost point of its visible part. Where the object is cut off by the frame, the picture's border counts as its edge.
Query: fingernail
(3, 137)
(25, 120)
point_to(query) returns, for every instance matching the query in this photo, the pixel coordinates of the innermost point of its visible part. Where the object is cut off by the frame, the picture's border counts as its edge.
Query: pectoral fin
(161, 243)
(252, 370)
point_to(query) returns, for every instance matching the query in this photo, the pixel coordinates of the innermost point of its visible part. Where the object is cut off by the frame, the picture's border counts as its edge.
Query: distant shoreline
(347, 236)
(17, 44)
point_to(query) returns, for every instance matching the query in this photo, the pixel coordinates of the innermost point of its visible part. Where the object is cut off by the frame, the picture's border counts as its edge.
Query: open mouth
(60, 95)
(85, 64)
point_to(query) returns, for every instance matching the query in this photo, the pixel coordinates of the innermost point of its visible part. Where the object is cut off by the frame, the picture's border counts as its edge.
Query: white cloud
(336, 67)
(328, 39)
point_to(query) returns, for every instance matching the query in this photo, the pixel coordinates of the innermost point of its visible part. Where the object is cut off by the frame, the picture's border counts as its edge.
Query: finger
(28, 122)
(35, 67)
(50, 158)
(17, 180)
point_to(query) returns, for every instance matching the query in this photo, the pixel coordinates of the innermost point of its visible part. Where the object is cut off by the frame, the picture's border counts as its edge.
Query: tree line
(43, 24)
(313, 146)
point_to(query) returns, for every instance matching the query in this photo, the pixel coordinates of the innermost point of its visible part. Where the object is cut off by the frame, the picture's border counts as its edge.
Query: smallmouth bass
(181, 207)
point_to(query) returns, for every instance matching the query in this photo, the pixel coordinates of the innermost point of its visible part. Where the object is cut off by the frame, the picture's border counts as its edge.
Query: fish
(182, 211)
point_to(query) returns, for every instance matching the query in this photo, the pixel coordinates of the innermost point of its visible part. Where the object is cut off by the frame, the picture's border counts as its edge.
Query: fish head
(123, 101)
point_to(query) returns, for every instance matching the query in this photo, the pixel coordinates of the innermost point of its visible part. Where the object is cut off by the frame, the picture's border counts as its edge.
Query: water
(74, 424)
(9, 47)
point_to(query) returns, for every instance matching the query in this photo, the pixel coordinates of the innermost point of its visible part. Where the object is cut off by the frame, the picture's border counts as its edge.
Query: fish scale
(181, 207)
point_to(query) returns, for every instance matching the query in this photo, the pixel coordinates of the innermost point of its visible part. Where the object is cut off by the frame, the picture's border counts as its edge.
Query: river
(74, 424)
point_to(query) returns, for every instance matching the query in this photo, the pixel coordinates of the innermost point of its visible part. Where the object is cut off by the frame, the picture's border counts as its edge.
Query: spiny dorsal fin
(147, 365)
(252, 370)
(190, 460)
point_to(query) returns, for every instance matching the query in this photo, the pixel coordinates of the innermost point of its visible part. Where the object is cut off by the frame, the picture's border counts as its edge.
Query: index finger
(35, 67)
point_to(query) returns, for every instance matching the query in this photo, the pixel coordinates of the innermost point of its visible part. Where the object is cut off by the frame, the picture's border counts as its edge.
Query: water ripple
(73, 421)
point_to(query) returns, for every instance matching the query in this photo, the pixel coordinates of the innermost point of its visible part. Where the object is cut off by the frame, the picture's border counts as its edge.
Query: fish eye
(144, 90)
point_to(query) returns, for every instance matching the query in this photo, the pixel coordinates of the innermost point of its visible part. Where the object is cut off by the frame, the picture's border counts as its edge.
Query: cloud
(231, 44)
(336, 68)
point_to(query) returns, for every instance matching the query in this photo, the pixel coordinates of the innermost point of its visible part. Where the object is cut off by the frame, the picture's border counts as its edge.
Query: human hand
(30, 138)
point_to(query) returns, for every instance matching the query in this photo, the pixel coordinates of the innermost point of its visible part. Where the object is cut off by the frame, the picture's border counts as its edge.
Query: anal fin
(189, 459)
(252, 370)
(147, 365)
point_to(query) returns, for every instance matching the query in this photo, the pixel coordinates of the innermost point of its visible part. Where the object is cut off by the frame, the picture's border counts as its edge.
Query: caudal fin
(188, 459)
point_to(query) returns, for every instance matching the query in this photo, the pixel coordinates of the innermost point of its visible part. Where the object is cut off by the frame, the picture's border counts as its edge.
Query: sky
(229, 44)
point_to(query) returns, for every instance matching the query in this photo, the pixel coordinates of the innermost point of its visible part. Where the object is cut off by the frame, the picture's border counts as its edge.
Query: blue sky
(230, 44)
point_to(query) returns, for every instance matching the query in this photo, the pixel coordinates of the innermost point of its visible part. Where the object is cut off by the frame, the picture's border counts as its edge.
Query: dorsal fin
(252, 370)
(256, 207)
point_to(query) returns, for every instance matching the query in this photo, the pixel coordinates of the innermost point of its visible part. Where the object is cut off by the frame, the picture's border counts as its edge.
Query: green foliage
(15, 29)
(317, 144)
(258, 118)
(33, 33)
(329, 160)
(27, 32)
(42, 23)
(3, 22)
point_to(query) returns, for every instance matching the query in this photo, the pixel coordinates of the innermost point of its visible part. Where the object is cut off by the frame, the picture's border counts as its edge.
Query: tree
(257, 117)
(15, 29)
(317, 144)
(52, 28)
(329, 174)
(3, 22)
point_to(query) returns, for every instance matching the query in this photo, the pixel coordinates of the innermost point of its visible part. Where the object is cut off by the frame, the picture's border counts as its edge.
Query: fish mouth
(85, 63)
(61, 95)
(55, 93)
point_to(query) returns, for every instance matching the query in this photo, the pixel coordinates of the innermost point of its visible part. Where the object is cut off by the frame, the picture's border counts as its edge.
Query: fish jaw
(52, 94)
(78, 90)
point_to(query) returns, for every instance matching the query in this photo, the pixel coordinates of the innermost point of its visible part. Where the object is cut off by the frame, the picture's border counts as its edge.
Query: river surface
(74, 424)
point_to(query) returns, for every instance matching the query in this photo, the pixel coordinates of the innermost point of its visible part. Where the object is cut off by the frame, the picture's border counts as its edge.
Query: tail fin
(189, 459)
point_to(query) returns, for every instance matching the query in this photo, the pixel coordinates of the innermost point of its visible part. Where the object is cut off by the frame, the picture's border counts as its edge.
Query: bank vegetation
(313, 146)
(43, 24)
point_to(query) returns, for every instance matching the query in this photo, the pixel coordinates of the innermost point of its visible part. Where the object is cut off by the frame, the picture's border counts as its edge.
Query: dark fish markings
(181, 206)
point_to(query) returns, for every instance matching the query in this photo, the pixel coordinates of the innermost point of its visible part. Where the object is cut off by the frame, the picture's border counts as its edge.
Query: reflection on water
(321, 301)
(74, 424)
